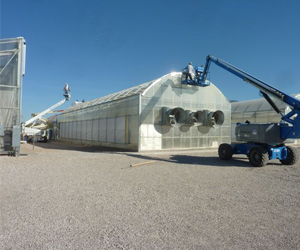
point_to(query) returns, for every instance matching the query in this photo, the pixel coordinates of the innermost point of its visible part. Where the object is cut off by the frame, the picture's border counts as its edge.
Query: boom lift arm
(266, 90)
(262, 142)
(33, 119)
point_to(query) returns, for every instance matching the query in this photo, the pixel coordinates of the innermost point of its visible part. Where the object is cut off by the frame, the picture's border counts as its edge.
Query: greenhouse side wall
(170, 93)
(113, 124)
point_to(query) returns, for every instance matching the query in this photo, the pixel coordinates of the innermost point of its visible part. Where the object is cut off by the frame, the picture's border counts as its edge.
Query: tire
(292, 156)
(225, 152)
(45, 139)
(258, 156)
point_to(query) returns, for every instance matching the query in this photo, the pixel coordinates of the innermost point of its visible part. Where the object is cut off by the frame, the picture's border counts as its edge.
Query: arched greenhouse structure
(159, 115)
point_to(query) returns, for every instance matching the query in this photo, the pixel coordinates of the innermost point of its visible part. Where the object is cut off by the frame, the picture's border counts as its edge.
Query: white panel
(73, 135)
(111, 123)
(157, 131)
(120, 123)
(78, 130)
(102, 130)
(89, 129)
(134, 129)
(102, 124)
(111, 129)
(65, 130)
(150, 130)
(144, 130)
(120, 136)
(83, 130)
(68, 129)
(147, 144)
(95, 132)
(157, 143)
(73, 128)
(120, 129)
(62, 130)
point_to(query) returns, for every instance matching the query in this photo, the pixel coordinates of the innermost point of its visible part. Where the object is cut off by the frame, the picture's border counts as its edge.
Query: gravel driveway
(57, 196)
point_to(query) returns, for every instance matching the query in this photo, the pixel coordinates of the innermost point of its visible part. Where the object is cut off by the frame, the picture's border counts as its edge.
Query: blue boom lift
(197, 78)
(262, 142)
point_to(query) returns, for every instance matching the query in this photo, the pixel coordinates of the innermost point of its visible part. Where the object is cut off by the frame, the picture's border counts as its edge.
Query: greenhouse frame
(12, 70)
(158, 115)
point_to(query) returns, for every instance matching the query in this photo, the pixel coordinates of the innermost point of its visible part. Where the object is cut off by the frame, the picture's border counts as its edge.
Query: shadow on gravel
(209, 161)
(76, 147)
(199, 160)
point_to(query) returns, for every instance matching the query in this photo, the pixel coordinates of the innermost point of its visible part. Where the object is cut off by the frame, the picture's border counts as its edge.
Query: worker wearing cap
(190, 72)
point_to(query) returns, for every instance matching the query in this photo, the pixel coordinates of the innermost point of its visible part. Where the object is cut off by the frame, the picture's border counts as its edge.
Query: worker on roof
(67, 91)
(190, 72)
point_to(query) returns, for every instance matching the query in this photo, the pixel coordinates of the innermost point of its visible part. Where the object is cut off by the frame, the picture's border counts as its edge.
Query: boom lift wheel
(258, 156)
(225, 152)
(292, 156)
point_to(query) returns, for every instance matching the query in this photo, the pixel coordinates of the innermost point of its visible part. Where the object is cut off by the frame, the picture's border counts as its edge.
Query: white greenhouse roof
(112, 97)
(258, 105)
(140, 89)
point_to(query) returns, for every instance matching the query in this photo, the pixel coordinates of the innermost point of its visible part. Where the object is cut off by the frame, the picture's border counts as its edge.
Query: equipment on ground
(263, 142)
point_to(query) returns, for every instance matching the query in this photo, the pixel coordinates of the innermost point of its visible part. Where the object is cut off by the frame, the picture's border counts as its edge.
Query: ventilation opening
(216, 119)
(176, 117)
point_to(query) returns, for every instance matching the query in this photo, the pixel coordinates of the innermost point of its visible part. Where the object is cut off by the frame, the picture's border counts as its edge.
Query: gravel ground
(72, 197)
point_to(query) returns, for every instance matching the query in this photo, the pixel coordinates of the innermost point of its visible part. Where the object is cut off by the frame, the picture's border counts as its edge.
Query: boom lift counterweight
(262, 141)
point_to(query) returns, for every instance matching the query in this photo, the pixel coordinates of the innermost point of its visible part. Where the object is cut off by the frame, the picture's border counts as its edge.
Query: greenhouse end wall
(169, 93)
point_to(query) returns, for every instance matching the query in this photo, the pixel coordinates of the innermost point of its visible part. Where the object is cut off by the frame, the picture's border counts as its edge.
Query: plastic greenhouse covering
(258, 111)
(134, 118)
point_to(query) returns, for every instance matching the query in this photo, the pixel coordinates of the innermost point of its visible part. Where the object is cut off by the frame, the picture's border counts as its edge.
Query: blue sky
(101, 47)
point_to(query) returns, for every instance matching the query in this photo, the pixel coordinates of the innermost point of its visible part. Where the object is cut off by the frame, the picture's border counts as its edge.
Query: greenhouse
(157, 115)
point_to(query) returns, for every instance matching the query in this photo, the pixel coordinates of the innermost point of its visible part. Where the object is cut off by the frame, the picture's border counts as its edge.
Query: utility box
(16, 136)
(12, 71)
